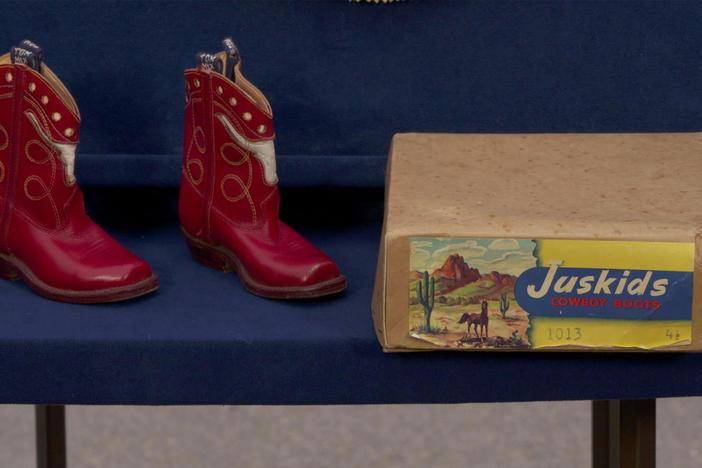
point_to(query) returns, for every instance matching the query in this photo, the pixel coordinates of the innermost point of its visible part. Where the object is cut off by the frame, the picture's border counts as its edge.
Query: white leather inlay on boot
(264, 151)
(67, 153)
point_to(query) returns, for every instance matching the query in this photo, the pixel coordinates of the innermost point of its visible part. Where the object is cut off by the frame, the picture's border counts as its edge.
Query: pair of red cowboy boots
(228, 201)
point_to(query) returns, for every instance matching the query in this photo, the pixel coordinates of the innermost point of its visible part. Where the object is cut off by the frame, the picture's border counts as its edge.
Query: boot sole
(13, 269)
(222, 259)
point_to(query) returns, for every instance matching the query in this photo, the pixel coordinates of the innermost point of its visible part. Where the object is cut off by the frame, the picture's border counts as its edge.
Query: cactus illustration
(425, 296)
(504, 304)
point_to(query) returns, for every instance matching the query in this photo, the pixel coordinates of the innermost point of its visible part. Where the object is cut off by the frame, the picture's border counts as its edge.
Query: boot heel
(7, 271)
(208, 256)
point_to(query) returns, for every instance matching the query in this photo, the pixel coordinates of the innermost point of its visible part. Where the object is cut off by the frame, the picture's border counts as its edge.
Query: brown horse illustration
(475, 320)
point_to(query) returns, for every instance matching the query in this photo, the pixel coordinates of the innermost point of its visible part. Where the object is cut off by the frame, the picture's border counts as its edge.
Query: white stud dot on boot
(261, 128)
(44, 100)
(232, 102)
(196, 82)
(247, 116)
(55, 116)
(219, 90)
(8, 77)
(69, 132)
(32, 87)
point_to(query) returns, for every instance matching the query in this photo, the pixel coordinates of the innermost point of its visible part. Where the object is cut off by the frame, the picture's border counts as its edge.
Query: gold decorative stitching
(244, 154)
(41, 145)
(50, 158)
(6, 138)
(43, 195)
(189, 159)
(246, 187)
(198, 163)
(200, 147)
(6, 141)
(244, 193)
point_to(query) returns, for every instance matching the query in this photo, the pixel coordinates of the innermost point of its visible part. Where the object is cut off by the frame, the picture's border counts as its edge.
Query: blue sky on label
(511, 256)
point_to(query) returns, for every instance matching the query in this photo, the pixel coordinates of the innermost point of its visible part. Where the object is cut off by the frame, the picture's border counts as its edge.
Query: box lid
(619, 187)
(608, 186)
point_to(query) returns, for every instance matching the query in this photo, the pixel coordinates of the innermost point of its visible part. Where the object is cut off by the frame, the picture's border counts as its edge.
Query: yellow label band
(467, 292)
(661, 256)
(546, 332)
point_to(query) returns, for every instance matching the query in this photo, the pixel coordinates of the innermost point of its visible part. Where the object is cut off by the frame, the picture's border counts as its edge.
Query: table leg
(624, 434)
(51, 436)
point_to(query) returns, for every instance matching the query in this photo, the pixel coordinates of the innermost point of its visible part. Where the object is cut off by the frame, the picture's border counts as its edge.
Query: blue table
(201, 339)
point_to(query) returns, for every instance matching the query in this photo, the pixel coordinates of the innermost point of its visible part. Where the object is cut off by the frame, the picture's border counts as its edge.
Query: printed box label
(521, 293)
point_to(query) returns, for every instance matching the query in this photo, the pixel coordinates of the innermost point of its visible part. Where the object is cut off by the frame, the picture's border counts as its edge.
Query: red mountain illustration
(502, 279)
(454, 273)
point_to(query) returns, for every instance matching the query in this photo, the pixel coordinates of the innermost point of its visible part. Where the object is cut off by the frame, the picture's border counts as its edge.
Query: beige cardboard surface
(569, 186)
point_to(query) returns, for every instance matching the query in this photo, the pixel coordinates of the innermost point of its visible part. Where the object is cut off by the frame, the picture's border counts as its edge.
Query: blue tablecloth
(203, 340)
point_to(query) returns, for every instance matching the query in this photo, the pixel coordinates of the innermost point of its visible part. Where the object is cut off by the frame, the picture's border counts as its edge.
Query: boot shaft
(39, 132)
(229, 155)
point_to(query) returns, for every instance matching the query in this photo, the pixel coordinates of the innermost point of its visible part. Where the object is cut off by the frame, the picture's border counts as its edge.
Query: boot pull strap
(28, 53)
(209, 62)
(29, 45)
(25, 57)
(232, 58)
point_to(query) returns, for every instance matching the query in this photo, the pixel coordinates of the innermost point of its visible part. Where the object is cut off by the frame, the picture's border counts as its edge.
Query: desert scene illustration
(461, 291)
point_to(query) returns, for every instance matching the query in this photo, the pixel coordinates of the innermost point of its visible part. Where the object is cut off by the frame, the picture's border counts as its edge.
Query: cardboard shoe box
(541, 241)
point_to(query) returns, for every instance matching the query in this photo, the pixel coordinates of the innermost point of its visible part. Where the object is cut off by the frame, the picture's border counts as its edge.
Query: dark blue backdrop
(344, 77)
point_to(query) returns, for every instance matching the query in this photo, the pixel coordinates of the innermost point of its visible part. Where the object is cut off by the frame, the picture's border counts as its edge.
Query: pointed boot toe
(117, 273)
(322, 272)
(324, 278)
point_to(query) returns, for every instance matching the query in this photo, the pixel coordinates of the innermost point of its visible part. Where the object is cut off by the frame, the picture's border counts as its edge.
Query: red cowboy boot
(229, 191)
(46, 238)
